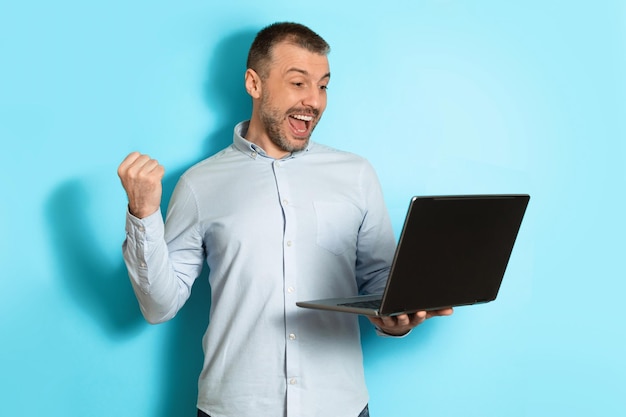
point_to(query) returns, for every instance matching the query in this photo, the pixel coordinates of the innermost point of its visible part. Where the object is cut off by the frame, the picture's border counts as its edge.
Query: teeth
(302, 117)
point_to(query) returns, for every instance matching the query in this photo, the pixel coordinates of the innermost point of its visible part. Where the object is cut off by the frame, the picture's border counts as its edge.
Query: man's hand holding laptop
(403, 323)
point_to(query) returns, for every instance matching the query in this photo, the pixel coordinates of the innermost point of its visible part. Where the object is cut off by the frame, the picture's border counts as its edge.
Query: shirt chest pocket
(337, 226)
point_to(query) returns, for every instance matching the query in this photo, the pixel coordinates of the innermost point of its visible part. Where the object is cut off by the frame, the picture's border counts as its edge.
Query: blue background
(442, 96)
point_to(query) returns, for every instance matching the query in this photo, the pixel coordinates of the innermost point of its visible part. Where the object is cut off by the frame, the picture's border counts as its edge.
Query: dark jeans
(364, 413)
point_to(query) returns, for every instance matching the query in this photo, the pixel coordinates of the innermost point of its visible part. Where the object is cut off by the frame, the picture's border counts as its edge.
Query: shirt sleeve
(376, 242)
(164, 258)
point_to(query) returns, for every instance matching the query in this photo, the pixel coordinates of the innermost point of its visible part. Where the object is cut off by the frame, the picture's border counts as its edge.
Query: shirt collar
(253, 150)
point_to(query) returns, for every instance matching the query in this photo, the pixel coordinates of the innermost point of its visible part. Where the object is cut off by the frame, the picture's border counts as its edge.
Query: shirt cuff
(150, 228)
(382, 333)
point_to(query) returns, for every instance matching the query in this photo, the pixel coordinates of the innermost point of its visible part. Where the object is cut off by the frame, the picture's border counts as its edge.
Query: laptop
(453, 251)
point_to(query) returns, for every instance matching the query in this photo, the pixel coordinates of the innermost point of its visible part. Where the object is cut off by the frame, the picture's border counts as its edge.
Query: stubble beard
(272, 119)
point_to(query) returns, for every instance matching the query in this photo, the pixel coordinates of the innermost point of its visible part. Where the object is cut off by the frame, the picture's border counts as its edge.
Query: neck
(257, 135)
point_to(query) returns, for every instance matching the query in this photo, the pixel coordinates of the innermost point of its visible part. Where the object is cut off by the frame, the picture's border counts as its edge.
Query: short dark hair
(260, 53)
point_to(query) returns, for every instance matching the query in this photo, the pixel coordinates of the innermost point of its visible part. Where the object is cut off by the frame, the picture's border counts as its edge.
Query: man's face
(293, 96)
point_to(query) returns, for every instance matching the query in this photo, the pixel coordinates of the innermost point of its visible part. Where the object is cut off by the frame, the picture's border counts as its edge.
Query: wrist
(141, 213)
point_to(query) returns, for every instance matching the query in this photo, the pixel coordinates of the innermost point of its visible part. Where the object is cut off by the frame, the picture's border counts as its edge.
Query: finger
(150, 167)
(447, 312)
(403, 320)
(127, 162)
(144, 167)
(131, 157)
(442, 312)
(159, 171)
(140, 163)
(388, 321)
(133, 165)
(418, 318)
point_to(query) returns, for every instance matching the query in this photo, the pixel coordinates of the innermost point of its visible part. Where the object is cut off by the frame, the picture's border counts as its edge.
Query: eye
(298, 84)
(323, 87)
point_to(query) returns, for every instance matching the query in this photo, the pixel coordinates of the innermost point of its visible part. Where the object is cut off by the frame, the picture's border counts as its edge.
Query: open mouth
(300, 123)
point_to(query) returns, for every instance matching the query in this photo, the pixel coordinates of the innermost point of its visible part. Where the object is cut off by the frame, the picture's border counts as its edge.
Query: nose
(315, 97)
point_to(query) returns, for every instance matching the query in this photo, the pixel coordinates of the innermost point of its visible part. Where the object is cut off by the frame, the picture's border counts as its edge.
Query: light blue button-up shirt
(272, 232)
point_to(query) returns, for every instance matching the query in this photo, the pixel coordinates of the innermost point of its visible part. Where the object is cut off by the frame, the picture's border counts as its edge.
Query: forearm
(157, 286)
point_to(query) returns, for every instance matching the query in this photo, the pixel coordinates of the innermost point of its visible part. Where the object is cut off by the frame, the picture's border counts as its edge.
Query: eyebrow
(305, 72)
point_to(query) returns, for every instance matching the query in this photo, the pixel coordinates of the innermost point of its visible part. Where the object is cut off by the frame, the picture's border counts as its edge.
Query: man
(277, 218)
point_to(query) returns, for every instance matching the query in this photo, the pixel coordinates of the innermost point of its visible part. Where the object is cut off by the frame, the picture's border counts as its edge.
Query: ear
(253, 83)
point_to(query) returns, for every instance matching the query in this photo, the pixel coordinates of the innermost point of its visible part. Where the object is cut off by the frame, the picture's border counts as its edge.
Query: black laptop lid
(454, 250)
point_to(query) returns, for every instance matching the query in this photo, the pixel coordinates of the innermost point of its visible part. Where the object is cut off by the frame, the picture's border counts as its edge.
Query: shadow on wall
(103, 290)
(100, 288)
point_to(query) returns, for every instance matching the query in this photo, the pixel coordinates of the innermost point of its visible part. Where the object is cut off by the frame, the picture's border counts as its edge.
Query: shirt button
(289, 243)
(291, 290)
(293, 381)
(292, 336)
(277, 164)
(142, 229)
(253, 154)
(285, 202)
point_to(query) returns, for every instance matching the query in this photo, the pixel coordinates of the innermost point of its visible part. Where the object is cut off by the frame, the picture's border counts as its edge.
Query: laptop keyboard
(374, 304)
